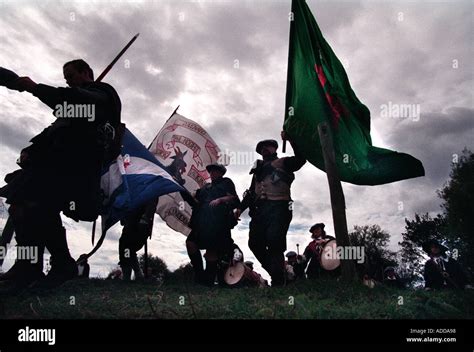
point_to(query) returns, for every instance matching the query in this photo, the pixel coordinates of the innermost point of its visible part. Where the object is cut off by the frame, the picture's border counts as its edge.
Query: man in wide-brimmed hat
(270, 203)
(211, 222)
(441, 271)
(313, 250)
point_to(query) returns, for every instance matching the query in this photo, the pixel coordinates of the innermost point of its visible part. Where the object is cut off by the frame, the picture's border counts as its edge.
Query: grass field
(177, 299)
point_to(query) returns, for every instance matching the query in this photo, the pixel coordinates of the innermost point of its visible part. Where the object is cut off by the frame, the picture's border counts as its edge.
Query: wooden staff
(114, 61)
(100, 78)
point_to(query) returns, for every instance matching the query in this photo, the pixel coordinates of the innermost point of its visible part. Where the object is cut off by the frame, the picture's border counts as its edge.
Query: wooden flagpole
(338, 203)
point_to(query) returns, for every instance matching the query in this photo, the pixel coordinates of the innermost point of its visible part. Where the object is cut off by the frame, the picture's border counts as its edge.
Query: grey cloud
(13, 137)
(435, 138)
(403, 62)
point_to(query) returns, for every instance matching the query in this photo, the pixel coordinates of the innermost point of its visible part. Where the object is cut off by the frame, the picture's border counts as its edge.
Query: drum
(328, 259)
(240, 275)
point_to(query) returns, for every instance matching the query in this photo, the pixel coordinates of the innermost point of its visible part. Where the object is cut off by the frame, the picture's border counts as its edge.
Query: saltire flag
(318, 90)
(185, 148)
(133, 179)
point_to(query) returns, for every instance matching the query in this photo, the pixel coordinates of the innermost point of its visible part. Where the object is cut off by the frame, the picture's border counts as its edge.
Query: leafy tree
(156, 266)
(454, 227)
(184, 273)
(377, 256)
(458, 209)
(418, 231)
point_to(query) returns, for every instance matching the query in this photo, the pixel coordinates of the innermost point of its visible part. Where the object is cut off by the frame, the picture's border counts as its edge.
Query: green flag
(318, 90)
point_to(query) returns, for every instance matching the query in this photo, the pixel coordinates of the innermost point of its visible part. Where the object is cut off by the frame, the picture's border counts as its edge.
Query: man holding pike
(60, 170)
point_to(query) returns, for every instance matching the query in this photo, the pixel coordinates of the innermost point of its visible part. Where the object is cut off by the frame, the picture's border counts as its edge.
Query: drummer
(261, 282)
(312, 253)
(226, 259)
(241, 274)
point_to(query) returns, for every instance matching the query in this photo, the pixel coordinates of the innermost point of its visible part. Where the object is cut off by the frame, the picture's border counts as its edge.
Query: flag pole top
(175, 110)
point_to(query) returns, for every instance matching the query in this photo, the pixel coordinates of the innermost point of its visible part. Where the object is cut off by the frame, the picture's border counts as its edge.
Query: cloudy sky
(224, 63)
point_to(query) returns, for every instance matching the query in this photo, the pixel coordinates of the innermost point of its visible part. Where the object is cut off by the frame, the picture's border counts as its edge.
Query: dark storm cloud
(436, 139)
(408, 61)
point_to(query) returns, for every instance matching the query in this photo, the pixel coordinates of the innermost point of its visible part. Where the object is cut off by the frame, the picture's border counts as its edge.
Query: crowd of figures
(64, 163)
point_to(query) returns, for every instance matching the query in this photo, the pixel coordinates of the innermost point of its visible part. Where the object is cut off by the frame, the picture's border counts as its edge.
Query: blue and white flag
(134, 179)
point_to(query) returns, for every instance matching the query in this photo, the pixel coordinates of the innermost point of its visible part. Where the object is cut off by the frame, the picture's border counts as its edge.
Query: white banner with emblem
(185, 149)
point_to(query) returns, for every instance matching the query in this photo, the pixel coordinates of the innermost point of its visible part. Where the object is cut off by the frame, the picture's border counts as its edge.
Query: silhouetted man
(313, 251)
(270, 203)
(61, 169)
(211, 223)
(137, 228)
(441, 271)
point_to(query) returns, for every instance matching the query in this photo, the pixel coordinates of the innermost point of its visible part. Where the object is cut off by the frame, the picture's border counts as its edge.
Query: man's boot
(137, 270)
(25, 271)
(20, 266)
(210, 273)
(260, 251)
(22, 275)
(63, 266)
(196, 262)
(126, 272)
(277, 268)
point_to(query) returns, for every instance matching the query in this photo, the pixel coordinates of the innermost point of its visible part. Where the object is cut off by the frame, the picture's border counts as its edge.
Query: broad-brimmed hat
(249, 264)
(315, 226)
(291, 254)
(218, 167)
(428, 244)
(266, 142)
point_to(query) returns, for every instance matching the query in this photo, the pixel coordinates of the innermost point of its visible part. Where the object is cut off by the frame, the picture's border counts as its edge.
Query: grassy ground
(325, 299)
